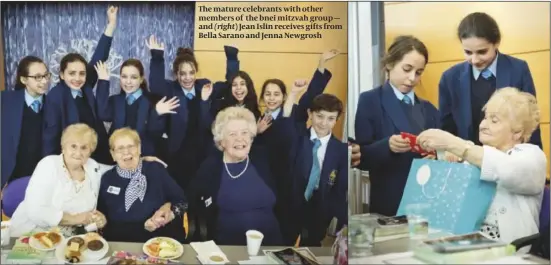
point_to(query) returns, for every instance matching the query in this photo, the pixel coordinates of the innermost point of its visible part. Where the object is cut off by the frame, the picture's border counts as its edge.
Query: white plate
(35, 243)
(86, 255)
(179, 247)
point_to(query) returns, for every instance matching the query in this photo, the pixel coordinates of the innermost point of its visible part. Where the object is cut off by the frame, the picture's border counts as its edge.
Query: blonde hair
(80, 132)
(124, 132)
(231, 114)
(520, 108)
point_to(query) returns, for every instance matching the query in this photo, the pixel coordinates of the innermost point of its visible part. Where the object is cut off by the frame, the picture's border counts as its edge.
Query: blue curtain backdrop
(51, 30)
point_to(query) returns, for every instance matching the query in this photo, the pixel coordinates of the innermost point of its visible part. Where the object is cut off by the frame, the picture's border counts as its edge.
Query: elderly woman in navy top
(72, 99)
(139, 199)
(233, 191)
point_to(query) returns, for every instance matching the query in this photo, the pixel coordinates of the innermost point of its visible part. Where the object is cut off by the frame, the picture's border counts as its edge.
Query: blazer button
(502, 210)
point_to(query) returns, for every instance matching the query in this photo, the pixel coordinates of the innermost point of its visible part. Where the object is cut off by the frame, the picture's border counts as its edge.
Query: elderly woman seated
(233, 190)
(506, 158)
(63, 188)
(139, 199)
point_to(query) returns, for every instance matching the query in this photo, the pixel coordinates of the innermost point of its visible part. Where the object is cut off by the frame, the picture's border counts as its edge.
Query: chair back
(544, 211)
(13, 194)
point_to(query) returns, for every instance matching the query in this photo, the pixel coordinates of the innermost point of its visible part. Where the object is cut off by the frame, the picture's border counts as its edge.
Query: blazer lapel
(328, 173)
(19, 106)
(91, 100)
(120, 111)
(394, 110)
(72, 111)
(465, 97)
(503, 75)
(143, 113)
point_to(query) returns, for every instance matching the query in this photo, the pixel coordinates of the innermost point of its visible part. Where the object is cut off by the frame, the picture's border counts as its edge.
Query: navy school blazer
(379, 116)
(204, 187)
(454, 93)
(113, 109)
(61, 111)
(169, 88)
(333, 185)
(13, 104)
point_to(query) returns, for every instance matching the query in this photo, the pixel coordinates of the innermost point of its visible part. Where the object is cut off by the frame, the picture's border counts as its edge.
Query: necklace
(242, 172)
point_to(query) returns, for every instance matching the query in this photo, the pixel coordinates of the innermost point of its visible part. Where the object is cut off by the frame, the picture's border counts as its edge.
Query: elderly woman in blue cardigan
(139, 199)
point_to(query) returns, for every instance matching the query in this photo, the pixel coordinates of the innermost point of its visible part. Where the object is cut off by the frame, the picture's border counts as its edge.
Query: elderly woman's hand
(99, 219)
(356, 155)
(435, 139)
(154, 159)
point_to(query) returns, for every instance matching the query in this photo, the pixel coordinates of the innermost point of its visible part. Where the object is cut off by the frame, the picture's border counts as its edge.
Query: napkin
(204, 249)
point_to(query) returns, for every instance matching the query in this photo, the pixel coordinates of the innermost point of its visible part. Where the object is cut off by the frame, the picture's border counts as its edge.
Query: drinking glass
(361, 234)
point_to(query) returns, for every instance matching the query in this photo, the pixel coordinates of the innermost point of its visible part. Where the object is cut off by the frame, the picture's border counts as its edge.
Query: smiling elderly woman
(506, 158)
(63, 189)
(233, 190)
(140, 199)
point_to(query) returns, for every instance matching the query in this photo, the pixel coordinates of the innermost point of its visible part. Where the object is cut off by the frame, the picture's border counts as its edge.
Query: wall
(286, 59)
(525, 34)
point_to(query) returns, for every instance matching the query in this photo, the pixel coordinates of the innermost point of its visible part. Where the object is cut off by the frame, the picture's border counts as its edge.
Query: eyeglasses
(39, 78)
(123, 149)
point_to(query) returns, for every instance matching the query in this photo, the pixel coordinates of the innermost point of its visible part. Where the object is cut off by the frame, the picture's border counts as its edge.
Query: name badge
(165, 136)
(114, 190)
(208, 202)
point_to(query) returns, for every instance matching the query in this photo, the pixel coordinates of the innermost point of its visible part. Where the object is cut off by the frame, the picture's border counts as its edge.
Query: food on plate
(92, 236)
(72, 253)
(78, 240)
(95, 245)
(162, 248)
(48, 239)
(216, 258)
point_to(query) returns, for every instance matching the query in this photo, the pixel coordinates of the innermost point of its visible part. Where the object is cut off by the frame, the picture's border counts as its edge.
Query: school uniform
(278, 165)
(22, 119)
(464, 90)
(129, 110)
(126, 224)
(223, 211)
(187, 140)
(318, 181)
(64, 107)
(383, 112)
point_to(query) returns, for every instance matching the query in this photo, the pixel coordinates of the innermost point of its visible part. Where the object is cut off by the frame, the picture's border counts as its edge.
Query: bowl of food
(163, 248)
(45, 241)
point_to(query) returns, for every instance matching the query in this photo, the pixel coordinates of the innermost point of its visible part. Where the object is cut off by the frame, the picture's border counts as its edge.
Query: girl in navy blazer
(134, 106)
(187, 140)
(386, 111)
(72, 99)
(466, 87)
(138, 198)
(22, 119)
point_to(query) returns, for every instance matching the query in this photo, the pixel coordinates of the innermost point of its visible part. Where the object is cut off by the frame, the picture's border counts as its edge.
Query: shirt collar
(30, 99)
(75, 92)
(136, 94)
(275, 113)
(400, 95)
(324, 140)
(492, 68)
(186, 92)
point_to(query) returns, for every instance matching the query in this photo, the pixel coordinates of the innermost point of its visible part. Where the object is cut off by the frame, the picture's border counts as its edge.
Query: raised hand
(264, 123)
(167, 106)
(101, 69)
(112, 15)
(154, 44)
(206, 92)
(299, 86)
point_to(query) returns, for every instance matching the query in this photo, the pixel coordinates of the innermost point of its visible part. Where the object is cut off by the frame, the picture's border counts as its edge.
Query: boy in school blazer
(466, 87)
(22, 119)
(318, 173)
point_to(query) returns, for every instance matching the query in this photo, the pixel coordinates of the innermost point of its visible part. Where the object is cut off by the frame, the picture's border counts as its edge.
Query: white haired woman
(233, 190)
(505, 157)
(63, 189)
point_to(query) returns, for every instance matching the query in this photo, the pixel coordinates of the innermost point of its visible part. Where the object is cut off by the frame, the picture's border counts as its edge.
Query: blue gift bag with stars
(458, 199)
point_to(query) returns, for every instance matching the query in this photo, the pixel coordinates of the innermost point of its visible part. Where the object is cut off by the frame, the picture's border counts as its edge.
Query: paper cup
(5, 233)
(254, 241)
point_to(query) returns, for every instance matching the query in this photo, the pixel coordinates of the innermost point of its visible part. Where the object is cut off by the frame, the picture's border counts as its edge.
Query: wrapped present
(458, 199)
(340, 247)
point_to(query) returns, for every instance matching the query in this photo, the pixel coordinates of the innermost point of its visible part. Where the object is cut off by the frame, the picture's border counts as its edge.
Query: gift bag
(340, 247)
(458, 199)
